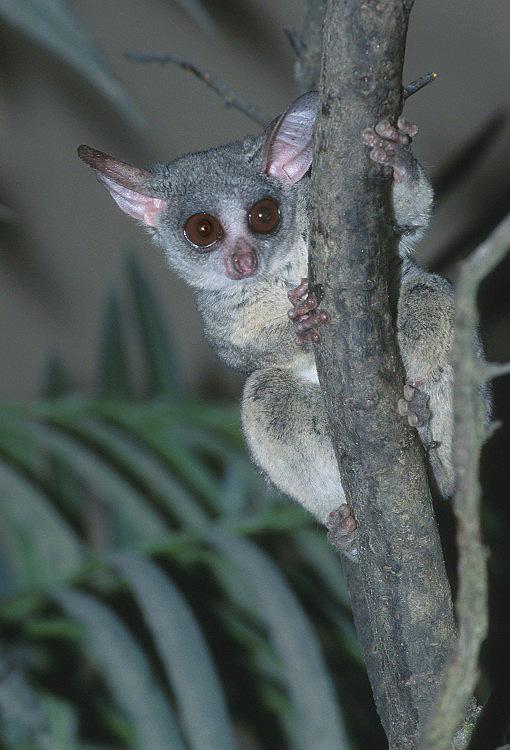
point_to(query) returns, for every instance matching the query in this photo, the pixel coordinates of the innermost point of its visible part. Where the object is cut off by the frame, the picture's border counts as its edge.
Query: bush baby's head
(228, 215)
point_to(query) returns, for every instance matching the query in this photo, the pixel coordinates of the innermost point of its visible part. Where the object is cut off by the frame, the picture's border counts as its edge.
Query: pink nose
(242, 263)
(245, 261)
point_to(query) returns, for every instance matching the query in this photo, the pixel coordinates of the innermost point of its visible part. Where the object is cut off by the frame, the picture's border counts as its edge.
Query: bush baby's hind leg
(285, 425)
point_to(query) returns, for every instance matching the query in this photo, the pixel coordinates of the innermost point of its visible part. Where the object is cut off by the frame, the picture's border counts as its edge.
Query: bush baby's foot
(390, 145)
(342, 526)
(305, 315)
(414, 405)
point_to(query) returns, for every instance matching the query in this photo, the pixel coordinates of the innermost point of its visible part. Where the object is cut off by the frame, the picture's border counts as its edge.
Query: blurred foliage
(54, 25)
(155, 592)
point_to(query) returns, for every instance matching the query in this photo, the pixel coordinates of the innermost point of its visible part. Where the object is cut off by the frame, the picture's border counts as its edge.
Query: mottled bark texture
(309, 47)
(399, 590)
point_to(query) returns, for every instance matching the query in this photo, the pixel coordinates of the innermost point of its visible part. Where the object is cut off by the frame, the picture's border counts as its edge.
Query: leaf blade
(152, 476)
(126, 671)
(317, 719)
(161, 366)
(43, 548)
(184, 652)
(143, 523)
(53, 25)
(114, 370)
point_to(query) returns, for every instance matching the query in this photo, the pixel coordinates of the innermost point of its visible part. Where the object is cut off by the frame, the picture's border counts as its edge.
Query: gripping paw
(390, 145)
(342, 526)
(305, 315)
(415, 404)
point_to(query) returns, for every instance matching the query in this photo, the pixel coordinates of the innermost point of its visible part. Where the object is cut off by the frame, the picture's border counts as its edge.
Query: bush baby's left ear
(287, 153)
(130, 187)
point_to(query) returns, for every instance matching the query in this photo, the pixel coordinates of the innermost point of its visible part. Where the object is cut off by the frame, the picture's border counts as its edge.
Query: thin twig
(228, 95)
(295, 42)
(495, 370)
(460, 677)
(415, 86)
(308, 60)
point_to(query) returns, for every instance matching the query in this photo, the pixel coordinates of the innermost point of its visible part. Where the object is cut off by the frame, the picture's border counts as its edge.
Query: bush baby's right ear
(288, 148)
(129, 186)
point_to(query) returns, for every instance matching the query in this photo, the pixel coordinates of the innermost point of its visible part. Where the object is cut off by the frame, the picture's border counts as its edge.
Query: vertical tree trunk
(308, 63)
(400, 593)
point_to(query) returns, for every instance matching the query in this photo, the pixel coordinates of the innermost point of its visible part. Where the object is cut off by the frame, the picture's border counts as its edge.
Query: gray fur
(246, 320)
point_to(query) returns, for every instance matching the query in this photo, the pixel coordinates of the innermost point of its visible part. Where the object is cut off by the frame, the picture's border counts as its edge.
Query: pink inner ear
(289, 147)
(290, 167)
(141, 207)
(129, 186)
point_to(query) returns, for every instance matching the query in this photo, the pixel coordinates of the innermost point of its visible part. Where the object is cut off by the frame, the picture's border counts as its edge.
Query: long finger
(296, 294)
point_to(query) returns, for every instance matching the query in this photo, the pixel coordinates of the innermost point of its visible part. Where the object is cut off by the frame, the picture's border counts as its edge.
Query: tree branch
(399, 590)
(415, 86)
(495, 369)
(228, 95)
(459, 681)
(309, 48)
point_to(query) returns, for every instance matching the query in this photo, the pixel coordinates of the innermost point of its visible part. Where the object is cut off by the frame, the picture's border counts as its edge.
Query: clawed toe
(312, 321)
(387, 130)
(312, 337)
(369, 137)
(305, 315)
(303, 308)
(296, 294)
(409, 128)
(390, 144)
(342, 526)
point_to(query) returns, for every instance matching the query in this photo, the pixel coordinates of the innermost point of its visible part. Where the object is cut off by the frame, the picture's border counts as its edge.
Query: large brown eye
(203, 230)
(264, 216)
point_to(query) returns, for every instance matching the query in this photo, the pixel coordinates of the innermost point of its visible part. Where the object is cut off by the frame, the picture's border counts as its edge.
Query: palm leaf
(41, 548)
(235, 489)
(318, 553)
(52, 24)
(114, 378)
(184, 653)
(23, 720)
(325, 561)
(137, 461)
(316, 720)
(142, 524)
(156, 429)
(162, 375)
(126, 671)
(62, 723)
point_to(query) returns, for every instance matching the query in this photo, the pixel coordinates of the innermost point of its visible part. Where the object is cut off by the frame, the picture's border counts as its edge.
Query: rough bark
(309, 49)
(399, 590)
